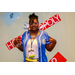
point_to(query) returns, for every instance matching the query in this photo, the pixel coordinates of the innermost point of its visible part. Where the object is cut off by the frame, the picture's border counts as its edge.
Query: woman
(34, 42)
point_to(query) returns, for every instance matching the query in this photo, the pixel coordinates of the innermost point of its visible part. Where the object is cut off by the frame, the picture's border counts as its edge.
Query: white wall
(63, 32)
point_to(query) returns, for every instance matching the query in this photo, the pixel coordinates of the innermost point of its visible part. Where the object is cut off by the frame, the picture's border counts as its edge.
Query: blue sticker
(10, 17)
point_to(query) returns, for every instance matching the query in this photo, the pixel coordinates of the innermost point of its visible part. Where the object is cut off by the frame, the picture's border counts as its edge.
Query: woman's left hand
(51, 40)
(51, 45)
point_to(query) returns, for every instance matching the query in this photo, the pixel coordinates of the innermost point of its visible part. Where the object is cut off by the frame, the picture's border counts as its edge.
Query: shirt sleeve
(23, 38)
(47, 38)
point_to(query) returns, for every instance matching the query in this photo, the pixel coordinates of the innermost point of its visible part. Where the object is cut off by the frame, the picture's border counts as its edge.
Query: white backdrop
(63, 32)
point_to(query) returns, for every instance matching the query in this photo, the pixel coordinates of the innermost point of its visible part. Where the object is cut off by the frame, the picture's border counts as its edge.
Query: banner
(10, 17)
(58, 58)
(50, 22)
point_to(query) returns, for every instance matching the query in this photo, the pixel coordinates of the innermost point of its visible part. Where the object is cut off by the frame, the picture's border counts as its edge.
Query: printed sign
(10, 17)
(50, 22)
(58, 58)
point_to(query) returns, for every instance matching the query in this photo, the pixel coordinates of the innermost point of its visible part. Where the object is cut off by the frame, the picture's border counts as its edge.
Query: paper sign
(10, 17)
(50, 22)
(58, 58)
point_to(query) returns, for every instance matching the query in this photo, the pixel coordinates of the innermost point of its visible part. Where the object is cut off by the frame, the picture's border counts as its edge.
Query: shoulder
(44, 32)
(24, 34)
(44, 35)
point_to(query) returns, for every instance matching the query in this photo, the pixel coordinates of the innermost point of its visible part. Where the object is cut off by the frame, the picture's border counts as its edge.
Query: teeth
(33, 27)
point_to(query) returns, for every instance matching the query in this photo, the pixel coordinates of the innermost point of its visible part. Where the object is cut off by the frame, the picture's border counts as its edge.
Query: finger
(49, 40)
(50, 37)
(18, 40)
(15, 42)
(19, 37)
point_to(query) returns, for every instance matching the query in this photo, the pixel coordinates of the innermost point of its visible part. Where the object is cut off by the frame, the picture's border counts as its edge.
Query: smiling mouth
(34, 27)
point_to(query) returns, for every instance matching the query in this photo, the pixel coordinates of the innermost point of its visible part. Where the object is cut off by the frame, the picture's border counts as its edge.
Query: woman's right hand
(17, 41)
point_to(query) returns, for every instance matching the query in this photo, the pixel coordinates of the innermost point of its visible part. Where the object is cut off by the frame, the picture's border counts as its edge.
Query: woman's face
(34, 26)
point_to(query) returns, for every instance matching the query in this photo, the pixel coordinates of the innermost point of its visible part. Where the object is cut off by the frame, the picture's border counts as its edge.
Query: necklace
(33, 39)
(33, 36)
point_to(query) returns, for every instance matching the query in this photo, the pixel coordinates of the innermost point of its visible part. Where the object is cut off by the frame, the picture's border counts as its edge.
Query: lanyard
(32, 43)
(33, 39)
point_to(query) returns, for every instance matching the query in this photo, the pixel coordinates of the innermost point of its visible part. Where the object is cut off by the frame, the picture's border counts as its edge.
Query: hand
(52, 44)
(17, 41)
(16, 44)
(51, 40)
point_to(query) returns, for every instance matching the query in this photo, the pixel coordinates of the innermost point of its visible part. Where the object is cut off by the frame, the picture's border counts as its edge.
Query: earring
(28, 28)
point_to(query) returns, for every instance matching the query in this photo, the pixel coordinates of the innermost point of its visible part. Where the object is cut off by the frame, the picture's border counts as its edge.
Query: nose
(33, 24)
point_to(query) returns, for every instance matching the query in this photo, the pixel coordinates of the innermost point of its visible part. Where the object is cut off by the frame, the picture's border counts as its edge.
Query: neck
(34, 32)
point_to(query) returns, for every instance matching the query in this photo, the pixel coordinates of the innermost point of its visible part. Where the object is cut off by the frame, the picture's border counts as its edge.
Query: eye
(35, 23)
(30, 23)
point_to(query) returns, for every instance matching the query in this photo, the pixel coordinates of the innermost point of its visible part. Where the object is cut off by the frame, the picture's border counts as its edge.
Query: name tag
(31, 53)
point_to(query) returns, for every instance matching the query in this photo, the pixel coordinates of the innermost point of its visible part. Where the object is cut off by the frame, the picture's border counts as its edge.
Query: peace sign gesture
(51, 40)
(16, 42)
(51, 45)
